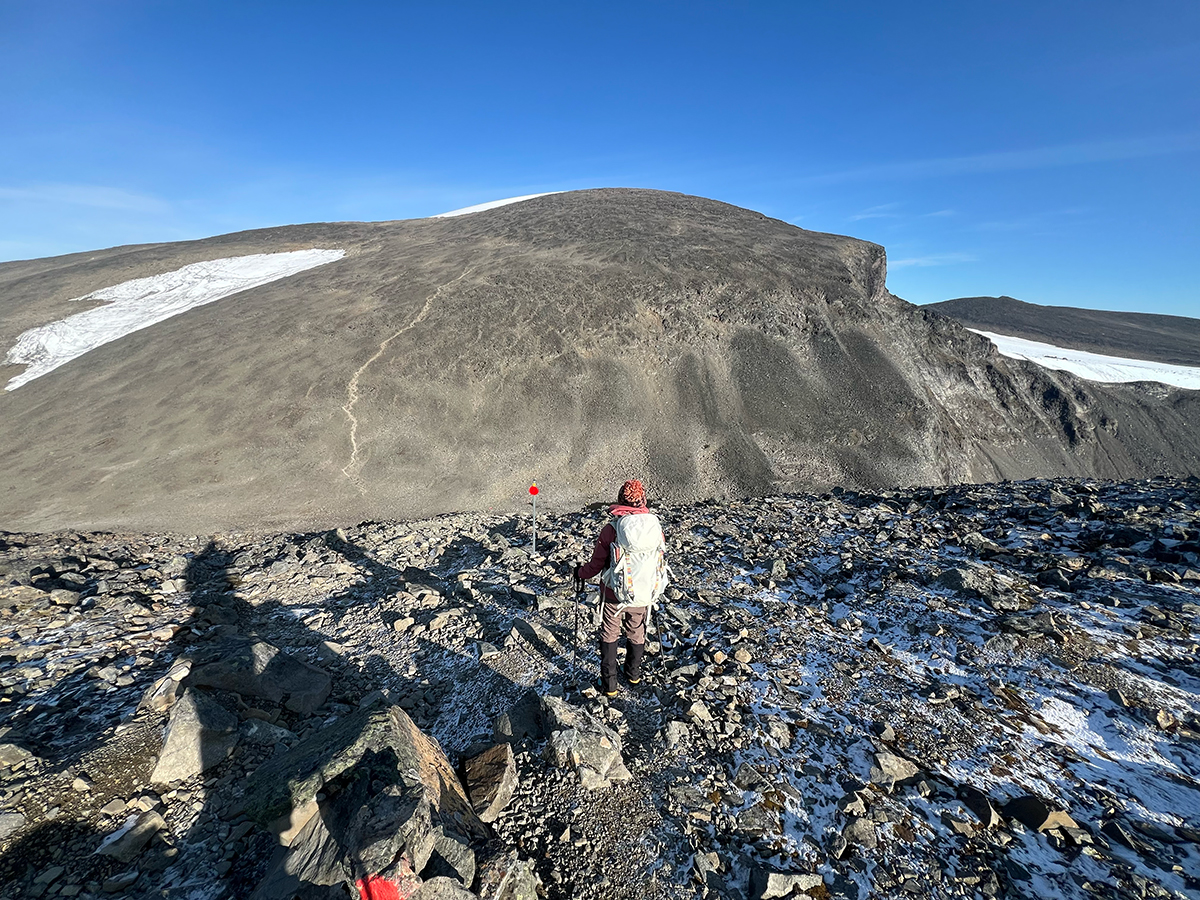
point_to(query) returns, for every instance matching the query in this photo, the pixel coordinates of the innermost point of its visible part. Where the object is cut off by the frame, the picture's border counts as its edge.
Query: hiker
(631, 554)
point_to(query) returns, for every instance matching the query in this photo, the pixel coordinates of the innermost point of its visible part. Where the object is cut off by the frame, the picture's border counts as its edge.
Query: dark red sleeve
(599, 561)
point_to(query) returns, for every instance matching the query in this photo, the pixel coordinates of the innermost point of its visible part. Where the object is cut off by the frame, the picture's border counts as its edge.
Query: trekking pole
(575, 634)
(533, 494)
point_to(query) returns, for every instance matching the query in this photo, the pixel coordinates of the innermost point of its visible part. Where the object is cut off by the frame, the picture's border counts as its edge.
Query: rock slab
(200, 734)
(491, 780)
(256, 669)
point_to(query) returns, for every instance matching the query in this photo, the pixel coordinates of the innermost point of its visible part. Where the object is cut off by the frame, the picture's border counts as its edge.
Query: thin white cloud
(937, 259)
(884, 211)
(1034, 220)
(1011, 160)
(941, 213)
(96, 196)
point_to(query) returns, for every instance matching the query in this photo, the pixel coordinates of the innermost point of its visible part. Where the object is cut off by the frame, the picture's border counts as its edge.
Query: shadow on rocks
(227, 678)
(235, 686)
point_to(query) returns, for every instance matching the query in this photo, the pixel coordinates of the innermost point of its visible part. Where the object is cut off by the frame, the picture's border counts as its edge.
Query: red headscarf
(632, 493)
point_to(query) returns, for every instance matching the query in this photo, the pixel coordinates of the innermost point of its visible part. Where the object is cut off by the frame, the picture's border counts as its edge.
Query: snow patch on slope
(1094, 366)
(491, 204)
(142, 302)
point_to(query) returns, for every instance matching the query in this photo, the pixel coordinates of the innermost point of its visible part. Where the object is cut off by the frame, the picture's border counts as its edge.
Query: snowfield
(1094, 366)
(142, 302)
(491, 204)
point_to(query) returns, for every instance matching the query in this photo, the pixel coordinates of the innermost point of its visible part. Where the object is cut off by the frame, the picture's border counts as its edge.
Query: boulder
(10, 823)
(853, 804)
(357, 835)
(491, 779)
(1046, 624)
(581, 741)
(706, 869)
(1037, 815)
(161, 695)
(675, 733)
(12, 754)
(767, 883)
(294, 778)
(256, 731)
(971, 580)
(1054, 578)
(980, 804)
(451, 857)
(127, 843)
(442, 889)
(883, 731)
(760, 819)
(861, 833)
(890, 769)
(395, 816)
(508, 877)
(520, 722)
(256, 669)
(200, 734)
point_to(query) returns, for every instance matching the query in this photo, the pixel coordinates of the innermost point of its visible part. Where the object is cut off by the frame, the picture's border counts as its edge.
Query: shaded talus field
(573, 339)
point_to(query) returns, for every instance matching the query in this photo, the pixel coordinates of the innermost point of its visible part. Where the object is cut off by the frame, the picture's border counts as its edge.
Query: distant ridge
(1167, 339)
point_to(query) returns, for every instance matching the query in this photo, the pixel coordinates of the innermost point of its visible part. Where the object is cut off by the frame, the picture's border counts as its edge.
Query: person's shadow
(106, 717)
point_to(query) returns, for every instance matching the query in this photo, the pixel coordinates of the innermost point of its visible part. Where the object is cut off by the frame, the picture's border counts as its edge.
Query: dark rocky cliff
(575, 339)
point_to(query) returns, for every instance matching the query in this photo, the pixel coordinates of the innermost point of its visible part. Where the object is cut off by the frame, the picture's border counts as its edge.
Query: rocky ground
(983, 691)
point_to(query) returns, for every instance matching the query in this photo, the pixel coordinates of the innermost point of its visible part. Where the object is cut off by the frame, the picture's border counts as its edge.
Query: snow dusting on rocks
(982, 691)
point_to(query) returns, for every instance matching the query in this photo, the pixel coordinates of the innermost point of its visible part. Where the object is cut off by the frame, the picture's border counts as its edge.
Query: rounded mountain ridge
(575, 339)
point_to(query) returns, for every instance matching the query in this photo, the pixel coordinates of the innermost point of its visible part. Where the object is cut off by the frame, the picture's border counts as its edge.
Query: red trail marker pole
(533, 492)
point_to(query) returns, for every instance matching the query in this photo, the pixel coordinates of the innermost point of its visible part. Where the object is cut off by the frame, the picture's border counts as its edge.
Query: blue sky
(1049, 151)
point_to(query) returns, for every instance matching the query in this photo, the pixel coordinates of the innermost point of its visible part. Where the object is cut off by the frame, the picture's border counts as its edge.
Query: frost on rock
(142, 302)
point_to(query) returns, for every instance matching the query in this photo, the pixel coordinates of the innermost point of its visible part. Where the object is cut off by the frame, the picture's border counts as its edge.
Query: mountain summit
(571, 339)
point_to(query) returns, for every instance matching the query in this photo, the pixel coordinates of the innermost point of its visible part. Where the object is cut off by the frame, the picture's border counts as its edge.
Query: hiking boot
(608, 668)
(633, 662)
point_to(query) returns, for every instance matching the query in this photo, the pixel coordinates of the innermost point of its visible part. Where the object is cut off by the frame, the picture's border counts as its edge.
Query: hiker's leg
(635, 625)
(610, 631)
(610, 623)
(608, 668)
(635, 642)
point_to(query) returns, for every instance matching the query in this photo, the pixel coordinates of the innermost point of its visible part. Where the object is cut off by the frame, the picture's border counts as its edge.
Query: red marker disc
(533, 489)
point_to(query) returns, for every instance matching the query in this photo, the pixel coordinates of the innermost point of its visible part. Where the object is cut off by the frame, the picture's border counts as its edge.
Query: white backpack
(637, 570)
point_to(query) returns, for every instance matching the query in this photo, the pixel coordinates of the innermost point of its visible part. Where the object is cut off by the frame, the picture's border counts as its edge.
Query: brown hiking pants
(632, 617)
